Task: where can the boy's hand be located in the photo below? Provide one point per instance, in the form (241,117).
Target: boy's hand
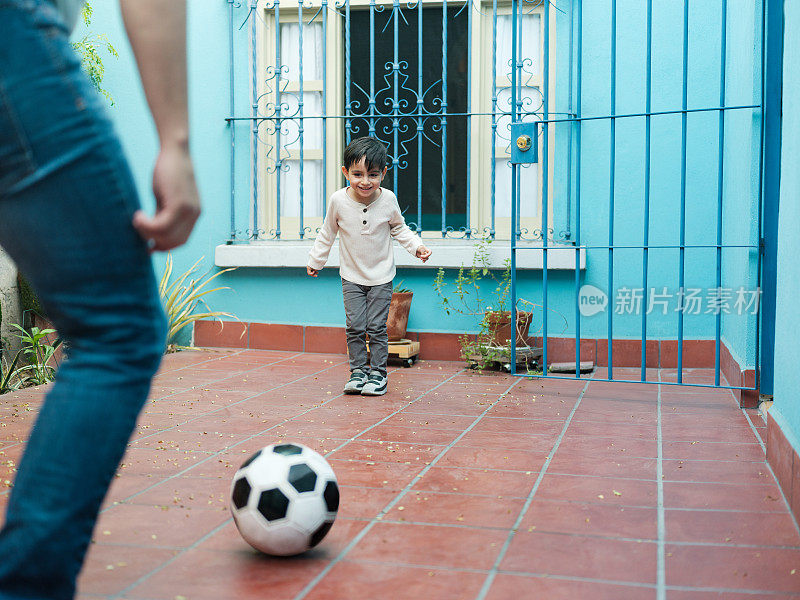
(312,272)
(423,253)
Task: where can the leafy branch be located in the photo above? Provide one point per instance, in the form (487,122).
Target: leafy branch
(90,49)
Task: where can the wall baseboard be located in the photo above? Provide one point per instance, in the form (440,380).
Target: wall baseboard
(785,463)
(446,346)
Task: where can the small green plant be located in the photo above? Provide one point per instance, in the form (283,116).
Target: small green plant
(182,297)
(467,297)
(90,49)
(399,289)
(480,291)
(38,353)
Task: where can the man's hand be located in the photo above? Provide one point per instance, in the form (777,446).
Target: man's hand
(312,272)
(177,201)
(423,253)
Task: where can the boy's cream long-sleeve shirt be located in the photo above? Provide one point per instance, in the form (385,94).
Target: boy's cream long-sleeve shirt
(365,233)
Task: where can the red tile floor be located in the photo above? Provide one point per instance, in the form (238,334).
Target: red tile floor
(456,484)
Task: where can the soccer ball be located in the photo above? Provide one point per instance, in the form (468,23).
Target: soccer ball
(284,499)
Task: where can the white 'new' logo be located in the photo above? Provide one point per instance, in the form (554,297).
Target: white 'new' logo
(591,300)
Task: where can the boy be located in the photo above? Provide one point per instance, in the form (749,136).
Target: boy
(366,217)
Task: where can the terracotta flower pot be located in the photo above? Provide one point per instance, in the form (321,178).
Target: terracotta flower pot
(397,321)
(499,325)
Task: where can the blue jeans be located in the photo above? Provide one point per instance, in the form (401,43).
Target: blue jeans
(66,202)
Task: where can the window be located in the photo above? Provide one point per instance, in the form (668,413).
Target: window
(362,72)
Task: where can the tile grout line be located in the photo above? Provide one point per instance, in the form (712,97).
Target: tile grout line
(150,400)
(661,591)
(182,551)
(201,386)
(496,566)
(379,518)
(227,522)
(215,454)
(754,430)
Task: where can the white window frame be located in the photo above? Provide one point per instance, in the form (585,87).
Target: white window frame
(459,251)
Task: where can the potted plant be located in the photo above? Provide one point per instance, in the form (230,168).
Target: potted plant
(400,306)
(479,291)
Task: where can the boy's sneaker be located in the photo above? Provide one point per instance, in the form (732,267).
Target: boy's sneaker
(375,385)
(356,382)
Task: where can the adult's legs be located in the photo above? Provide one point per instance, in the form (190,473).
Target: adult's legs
(66,202)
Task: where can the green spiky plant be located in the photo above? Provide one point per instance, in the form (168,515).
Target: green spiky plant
(400,289)
(9,377)
(182,297)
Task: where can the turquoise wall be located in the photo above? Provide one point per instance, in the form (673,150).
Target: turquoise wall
(283,296)
(786,408)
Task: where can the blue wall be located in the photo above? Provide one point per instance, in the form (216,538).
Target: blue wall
(281,296)
(786,408)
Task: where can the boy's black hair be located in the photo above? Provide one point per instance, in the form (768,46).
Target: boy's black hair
(370,149)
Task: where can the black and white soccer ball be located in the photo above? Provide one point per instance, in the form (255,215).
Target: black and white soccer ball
(284,499)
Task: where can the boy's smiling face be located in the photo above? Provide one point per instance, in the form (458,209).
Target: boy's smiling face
(364,183)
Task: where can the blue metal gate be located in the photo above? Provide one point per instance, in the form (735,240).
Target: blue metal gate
(713,249)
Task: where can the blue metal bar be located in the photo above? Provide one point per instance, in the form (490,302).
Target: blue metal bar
(372,67)
(517,115)
(501,113)
(300,99)
(444,119)
(493,165)
(420,110)
(773,81)
(348,123)
(612,185)
(720,181)
(232,104)
(568,230)
(396,103)
(254,108)
(654,113)
(643,246)
(646,233)
(279,123)
(682,253)
(546,167)
(759,228)
(675,383)
(514,187)
(324,106)
(578,92)
(467,228)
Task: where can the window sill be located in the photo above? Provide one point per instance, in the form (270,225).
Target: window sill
(446,253)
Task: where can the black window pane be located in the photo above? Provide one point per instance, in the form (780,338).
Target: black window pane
(413,175)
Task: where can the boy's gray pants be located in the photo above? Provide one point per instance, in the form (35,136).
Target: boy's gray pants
(366,308)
